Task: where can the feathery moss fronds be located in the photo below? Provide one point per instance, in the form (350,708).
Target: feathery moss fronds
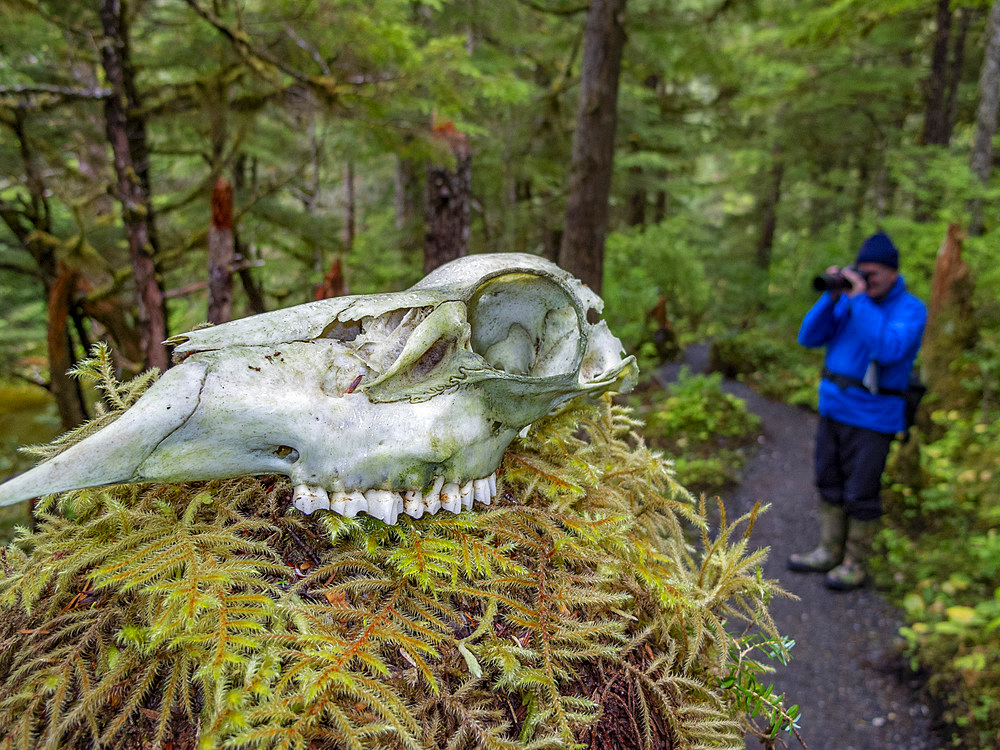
(214,611)
(117,396)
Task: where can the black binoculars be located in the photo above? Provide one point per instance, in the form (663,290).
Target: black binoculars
(833,282)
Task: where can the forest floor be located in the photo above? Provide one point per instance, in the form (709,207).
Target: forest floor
(854,689)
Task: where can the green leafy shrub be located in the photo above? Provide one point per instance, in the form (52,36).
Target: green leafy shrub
(773,365)
(705,430)
(573,610)
(942,561)
(640,265)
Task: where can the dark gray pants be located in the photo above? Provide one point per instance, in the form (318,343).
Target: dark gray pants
(849,465)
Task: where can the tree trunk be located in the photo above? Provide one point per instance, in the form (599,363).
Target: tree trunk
(635,204)
(221,254)
(350,207)
(446,210)
(254,291)
(592,161)
(858,204)
(65,390)
(660,205)
(981,159)
(769,210)
(936,114)
(551,242)
(951,327)
(126,131)
(935,130)
(31,223)
(251,285)
(955,72)
(408,192)
(112,322)
(334,284)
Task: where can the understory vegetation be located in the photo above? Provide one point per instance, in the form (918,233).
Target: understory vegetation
(706,432)
(592,603)
(941,563)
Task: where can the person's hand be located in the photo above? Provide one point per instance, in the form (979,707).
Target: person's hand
(858,284)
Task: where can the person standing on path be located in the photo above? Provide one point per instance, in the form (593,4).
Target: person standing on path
(871,328)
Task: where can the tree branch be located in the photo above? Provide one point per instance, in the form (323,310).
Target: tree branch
(571,11)
(14,268)
(241,42)
(63,91)
(197,286)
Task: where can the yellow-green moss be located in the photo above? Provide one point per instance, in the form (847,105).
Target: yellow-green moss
(212,614)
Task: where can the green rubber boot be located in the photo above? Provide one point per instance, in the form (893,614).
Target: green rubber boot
(851,573)
(830,551)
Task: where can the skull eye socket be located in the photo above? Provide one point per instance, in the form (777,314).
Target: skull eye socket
(525,324)
(287,453)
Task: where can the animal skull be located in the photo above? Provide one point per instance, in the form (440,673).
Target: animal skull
(386,404)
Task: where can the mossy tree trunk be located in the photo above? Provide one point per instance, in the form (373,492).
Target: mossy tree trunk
(221,253)
(951,326)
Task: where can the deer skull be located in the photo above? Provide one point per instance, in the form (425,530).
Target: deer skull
(386,404)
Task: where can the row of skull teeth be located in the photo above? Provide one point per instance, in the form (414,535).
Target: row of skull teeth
(386,505)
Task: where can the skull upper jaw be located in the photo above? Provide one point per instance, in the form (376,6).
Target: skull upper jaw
(348,444)
(380,393)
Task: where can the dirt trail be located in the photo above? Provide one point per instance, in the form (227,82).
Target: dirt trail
(845,671)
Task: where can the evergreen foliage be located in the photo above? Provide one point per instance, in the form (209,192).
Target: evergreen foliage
(209,614)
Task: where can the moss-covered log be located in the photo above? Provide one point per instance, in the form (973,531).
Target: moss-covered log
(575,611)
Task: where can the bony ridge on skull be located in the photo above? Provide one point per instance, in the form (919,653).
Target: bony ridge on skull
(382,404)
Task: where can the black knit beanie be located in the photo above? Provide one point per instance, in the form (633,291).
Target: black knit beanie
(878,249)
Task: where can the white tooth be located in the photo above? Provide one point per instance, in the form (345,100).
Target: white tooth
(413,504)
(338,502)
(307,499)
(348,504)
(384,505)
(432,500)
(451,499)
(468,494)
(397,506)
(492,479)
(481,488)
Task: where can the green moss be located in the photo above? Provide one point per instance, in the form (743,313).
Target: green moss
(213,610)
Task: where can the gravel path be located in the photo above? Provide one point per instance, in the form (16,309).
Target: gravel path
(845,673)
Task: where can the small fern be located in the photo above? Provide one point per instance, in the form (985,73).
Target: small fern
(211,614)
(116,397)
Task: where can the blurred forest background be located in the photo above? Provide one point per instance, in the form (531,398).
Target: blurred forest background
(169,162)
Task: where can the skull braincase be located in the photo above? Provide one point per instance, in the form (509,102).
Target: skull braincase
(400,402)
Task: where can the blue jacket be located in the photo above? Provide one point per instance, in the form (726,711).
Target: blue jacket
(857,331)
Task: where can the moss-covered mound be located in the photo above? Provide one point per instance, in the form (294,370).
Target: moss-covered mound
(575,610)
